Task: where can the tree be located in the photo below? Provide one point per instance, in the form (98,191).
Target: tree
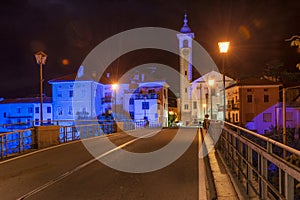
(295,42)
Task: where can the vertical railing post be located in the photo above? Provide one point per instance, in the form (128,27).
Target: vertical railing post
(289,186)
(264,173)
(249,171)
(240,160)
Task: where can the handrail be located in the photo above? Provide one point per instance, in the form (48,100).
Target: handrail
(259,169)
(279,144)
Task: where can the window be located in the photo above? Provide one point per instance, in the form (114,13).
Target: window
(4,114)
(186,106)
(131,101)
(145,105)
(151,91)
(18,110)
(59,94)
(70,112)
(131,115)
(266,98)
(59,110)
(237,117)
(185,73)
(185,90)
(30,110)
(108,94)
(185,43)
(289,116)
(265,90)
(249,117)
(249,98)
(18,120)
(37,110)
(71,93)
(36,121)
(267,117)
(48,109)
(195,105)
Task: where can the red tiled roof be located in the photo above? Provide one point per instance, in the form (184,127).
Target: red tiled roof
(256,81)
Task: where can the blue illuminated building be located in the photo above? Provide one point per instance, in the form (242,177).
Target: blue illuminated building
(22,113)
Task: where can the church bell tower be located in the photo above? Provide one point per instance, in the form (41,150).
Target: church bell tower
(185,38)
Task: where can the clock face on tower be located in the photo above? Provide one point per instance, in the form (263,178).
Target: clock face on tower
(185,52)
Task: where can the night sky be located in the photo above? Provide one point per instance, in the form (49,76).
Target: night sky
(68,30)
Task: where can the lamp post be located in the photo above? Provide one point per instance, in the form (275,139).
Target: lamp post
(211,82)
(204,107)
(115,87)
(41,60)
(223,47)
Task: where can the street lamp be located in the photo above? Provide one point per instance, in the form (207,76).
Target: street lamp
(223,47)
(115,87)
(211,82)
(41,60)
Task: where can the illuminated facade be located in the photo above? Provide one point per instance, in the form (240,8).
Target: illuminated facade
(208,99)
(252,103)
(83,98)
(75,99)
(138,101)
(24,112)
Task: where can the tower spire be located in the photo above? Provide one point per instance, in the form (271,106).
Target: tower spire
(185,21)
(185,28)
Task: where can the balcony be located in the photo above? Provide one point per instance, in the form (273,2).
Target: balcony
(107,100)
(145,96)
(233,106)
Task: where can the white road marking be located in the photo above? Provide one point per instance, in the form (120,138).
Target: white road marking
(53,181)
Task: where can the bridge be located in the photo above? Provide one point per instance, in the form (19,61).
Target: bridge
(235,164)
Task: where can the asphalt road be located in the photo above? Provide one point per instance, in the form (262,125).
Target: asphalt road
(69,171)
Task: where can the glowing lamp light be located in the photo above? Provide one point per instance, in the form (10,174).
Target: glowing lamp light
(223,46)
(171,112)
(211,82)
(115,86)
(204,105)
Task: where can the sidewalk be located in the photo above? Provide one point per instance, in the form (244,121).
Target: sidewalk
(223,184)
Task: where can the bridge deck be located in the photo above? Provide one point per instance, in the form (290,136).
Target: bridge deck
(69,171)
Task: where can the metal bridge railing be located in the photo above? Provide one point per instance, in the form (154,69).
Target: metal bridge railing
(16,142)
(256,162)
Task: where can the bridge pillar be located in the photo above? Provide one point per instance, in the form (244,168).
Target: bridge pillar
(47,136)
